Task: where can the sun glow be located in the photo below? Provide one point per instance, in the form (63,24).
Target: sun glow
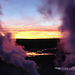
(37,35)
(2,34)
(35,32)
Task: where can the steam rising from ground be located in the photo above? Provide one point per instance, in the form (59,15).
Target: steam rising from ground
(66,8)
(14,54)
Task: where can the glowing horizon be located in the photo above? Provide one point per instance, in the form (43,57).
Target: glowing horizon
(41,32)
(36,34)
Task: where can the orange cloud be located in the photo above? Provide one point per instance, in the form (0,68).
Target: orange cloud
(36,32)
(37,35)
(42,32)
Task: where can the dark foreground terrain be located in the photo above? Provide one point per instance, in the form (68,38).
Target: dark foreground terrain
(10,69)
(38,43)
(46,65)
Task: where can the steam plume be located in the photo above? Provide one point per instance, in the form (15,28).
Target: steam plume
(14,54)
(66,8)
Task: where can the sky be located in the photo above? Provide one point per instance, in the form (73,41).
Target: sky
(23,20)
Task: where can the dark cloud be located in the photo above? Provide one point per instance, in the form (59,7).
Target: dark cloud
(49,8)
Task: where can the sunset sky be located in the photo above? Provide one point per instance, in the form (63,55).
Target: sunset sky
(23,20)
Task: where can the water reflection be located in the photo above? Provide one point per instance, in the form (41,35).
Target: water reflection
(48,51)
(33,54)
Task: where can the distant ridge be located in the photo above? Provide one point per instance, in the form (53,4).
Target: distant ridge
(38,43)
